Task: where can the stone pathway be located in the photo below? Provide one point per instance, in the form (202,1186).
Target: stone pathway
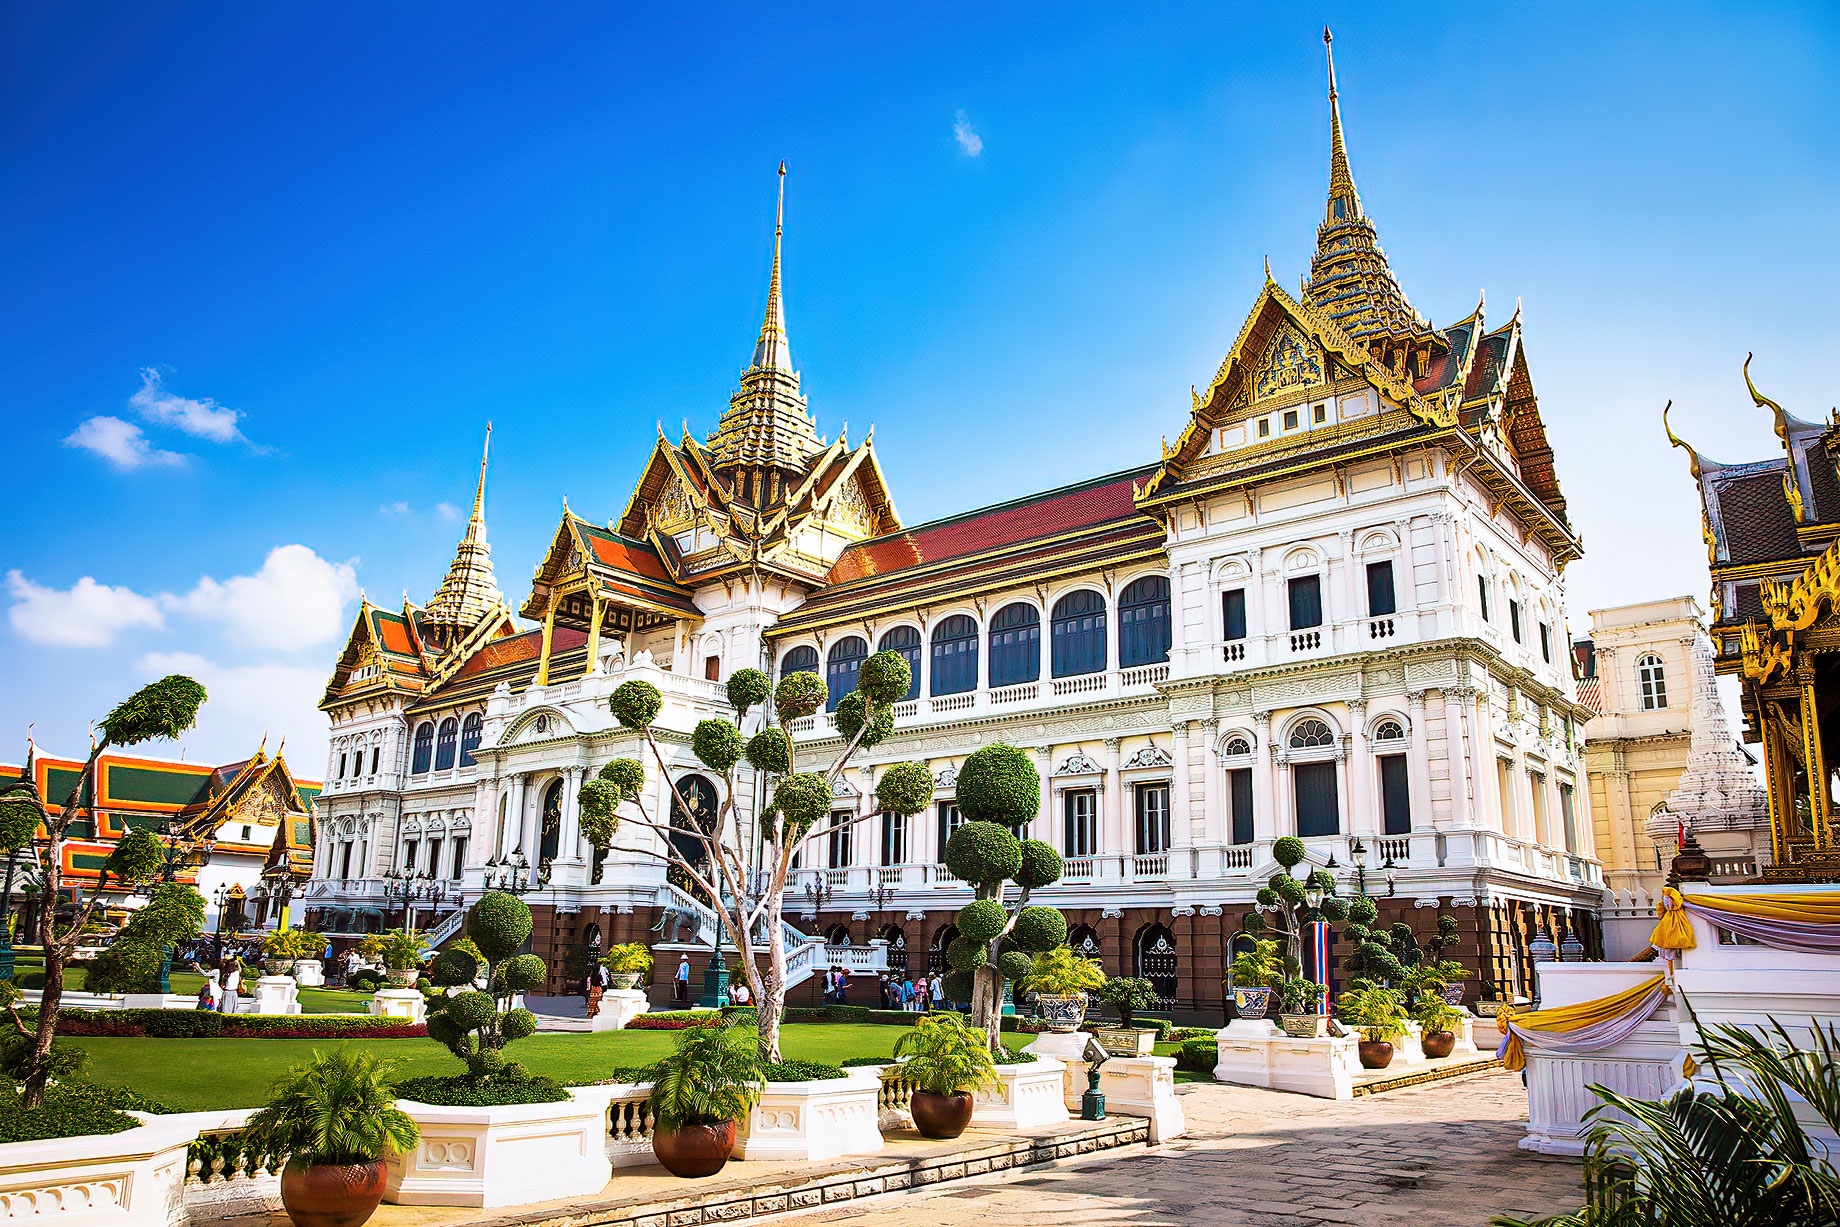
(1442,1155)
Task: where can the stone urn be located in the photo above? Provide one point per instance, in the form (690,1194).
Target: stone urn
(694,1150)
(624,979)
(278,967)
(1453,993)
(942,1116)
(1062,1012)
(1252,1002)
(1375,1054)
(1438,1044)
(402,977)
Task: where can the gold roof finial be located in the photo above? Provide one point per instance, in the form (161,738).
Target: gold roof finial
(470,587)
(1341,179)
(1780,419)
(476,527)
(1677,441)
(771,351)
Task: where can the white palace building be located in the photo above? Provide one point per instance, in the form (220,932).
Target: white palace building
(1332,608)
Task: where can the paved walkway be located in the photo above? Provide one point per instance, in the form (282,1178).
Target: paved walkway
(1442,1155)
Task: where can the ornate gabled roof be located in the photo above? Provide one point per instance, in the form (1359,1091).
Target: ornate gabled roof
(1350,280)
(231,787)
(470,589)
(623,570)
(383,653)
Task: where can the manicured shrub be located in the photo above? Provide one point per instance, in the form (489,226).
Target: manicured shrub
(747,687)
(999,784)
(982,920)
(799,695)
(905,788)
(981,852)
(635,704)
(66,1112)
(524,972)
(717,744)
(1288,851)
(770,750)
(461,1091)
(1039,929)
(1014,965)
(499,923)
(958,985)
(1200,1054)
(470,1011)
(802,800)
(966,955)
(599,804)
(365,981)
(627,775)
(1041,865)
(855,712)
(799,1071)
(181,1024)
(884,678)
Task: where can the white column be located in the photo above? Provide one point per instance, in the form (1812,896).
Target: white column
(1265,824)
(568,845)
(1418,766)
(1043,826)
(1359,807)
(1211,823)
(1465,762)
(1181,803)
(1111,803)
(530,822)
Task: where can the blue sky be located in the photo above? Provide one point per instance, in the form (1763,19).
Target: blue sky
(276,266)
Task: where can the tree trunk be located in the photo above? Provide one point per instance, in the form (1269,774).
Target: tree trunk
(32,1090)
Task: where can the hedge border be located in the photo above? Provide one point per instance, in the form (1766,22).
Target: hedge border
(136,1024)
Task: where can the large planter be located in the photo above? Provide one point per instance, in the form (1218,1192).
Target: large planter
(278,967)
(1375,1054)
(695,1150)
(1026,1097)
(942,1116)
(625,979)
(1252,1002)
(504,1155)
(1128,1041)
(331,1194)
(404,977)
(1062,1012)
(1453,993)
(134,1178)
(1438,1044)
(811,1121)
(1305,1026)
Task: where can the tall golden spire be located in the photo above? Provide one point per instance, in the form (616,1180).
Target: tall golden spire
(771,351)
(1344,201)
(470,588)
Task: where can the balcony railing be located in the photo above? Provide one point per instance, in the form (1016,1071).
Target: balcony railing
(1077,869)
(1005,695)
(1150,868)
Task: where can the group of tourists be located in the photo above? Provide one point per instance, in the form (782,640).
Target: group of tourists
(222,991)
(902,992)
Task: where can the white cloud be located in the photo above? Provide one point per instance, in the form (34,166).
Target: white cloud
(121,443)
(969,142)
(447,511)
(296,600)
(244,702)
(205,419)
(398,508)
(85,615)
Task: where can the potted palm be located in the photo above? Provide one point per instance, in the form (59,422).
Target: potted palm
(280,950)
(700,1092)
(1127,995)
(335,1117)
(1378,1015)
(1254,974)
(948,1061)
(1300,1003)
(1060,980)
(400,952)
(1437,1020)
(628,964)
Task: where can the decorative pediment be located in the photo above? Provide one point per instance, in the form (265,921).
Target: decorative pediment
(946,779)
(1289,362)
(1149,756)
(1078,764)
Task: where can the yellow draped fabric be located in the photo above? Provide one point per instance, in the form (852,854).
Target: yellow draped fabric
(1571,1017)
(1675,933)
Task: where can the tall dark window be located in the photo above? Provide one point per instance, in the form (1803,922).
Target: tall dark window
(459,856)
(1233,614)
(905,640)
(341,774)
(1482,594)
(840,839)
(1395,795)
(1317,811)
(955,655)
(1568,817)
(1152,804)
(424,746)
(376,755)
(1080,821)
(949,821)
(1514,620)
(471,730)
(409,854)
(1015,645)
(894,839)
(840,670)
(1239,794)
(446,744)
(1078,626)
(1380,599)
(433,862)
(1306,602)
(1546,642)
(802,659)
(1143,622)
(345,860)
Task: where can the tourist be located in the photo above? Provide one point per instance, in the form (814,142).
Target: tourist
(907,995)
(920,995)
(882,989)
(680,983)
(938,993)
(230,981)
(597,982)
(738,994)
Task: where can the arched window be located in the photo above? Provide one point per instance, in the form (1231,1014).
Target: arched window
(1653,676)
(446,743)
(1389,730)
(936,953)
(802,659)
(1015,645)
(1143,622)
(837,935)
(1310,735)
(472,729)
(840,670)
(551,829)
(1078,626)
(1154,952)
(1084,940)
(1236,747)
(424,747)
(700,796)
(906,641)
(955,655)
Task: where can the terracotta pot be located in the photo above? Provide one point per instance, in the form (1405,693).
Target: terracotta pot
(1375,1054)
(1438,1044)
(331,1194)
(941,1116)
(695,1150)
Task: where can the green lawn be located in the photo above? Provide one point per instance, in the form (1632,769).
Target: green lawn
(219,1073)
(187,983)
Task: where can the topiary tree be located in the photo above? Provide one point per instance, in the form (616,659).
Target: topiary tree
(1291,903)
(162,709)
(999,790)
(133,961)
(476,1025)
(743,875)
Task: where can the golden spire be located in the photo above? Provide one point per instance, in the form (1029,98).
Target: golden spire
(1344,201)
(771,351)
(476,527)
(470,588)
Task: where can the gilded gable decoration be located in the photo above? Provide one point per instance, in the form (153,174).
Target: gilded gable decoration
(1289,361)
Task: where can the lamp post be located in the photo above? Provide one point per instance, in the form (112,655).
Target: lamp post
(1358,853)
(817,892)
(221,896)
(510,874)
(880,894)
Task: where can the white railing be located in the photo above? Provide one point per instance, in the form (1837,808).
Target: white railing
(945,877)
(1399,851)
(837,879)
(952,702)
(907,710)
(1014,694)
(1234,651)
(1149,867)
(804,724)
(1144,675)
(1077,869)
(1381,628)
(1237,857)
(1085,683)
(1306,641)
(446,929)
(890,875)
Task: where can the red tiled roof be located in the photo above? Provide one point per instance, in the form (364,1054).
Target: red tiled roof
(1029,519)
(393,634)
(515,649)
(1591,694)
(628,555)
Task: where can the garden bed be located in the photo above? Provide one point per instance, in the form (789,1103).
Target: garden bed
(203,1024)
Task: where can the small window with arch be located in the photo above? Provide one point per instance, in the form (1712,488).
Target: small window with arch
(1389,730)
(1236,747)
(1652,675)
(1310,735)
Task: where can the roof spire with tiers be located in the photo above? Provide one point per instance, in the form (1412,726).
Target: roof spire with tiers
(470,588)
(1350,279)
(767,426)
